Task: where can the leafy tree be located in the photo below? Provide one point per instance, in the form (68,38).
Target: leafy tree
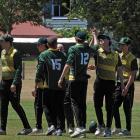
(122,17)
(15,11)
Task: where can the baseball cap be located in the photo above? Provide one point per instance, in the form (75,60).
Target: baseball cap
(125,41)
(42,40)
(6,37)
(103,36)
(81,35)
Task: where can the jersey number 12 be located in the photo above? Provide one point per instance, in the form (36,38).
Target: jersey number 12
(84,58)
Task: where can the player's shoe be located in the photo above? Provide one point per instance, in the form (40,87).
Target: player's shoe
(36,131)
(99,131)
(107,132)
(125,132)
(116,131)
(59,132)
(2,132)
(25,131)
(51,130)
(70,130)
(78,132)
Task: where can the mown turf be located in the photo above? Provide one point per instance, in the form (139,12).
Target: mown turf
(15,125)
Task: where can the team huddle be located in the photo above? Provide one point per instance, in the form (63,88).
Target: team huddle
(61,82)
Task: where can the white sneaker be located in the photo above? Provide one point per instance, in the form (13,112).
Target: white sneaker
(2,132)
(59,132)
(99,131)
(125,132)
(36,131)
(82,136)
(116,131)
(70,130)
(76,133)
(25,131)
(51,130)
(83,130)
(107,132)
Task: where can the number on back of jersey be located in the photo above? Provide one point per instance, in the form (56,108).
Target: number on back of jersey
(84,58)
(56,64)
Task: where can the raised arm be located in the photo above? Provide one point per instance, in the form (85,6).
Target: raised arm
(94,40)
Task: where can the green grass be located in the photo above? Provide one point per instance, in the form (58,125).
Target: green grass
(15,125)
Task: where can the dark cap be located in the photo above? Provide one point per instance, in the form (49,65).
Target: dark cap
(125,41)
(7,38)
(42,40)
(103,36)
(81,35)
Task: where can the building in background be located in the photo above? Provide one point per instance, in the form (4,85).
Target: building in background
(55,8)
(55,12)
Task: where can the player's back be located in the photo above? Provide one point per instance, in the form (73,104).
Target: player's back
(79,56)
(54,64)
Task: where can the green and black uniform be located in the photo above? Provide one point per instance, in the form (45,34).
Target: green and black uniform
(78,59)
(69,116)
(51,64)
(104,85)
(129,63)
(11,75)
(38,104)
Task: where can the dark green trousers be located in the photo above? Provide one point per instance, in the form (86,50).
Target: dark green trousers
(14,98)
(127,102)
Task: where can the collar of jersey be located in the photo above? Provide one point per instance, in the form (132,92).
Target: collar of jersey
(79,45)
(51,49)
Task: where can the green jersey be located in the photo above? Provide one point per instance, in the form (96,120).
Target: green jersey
(50,67)
(78,59)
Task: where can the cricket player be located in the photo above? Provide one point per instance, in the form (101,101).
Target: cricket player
(130,67)
(107,64)
(76,65)
(38,93)
(11,84)
(51,63)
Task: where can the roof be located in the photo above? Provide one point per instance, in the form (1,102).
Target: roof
(29,30)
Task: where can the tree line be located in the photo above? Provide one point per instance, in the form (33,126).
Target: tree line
(122,17)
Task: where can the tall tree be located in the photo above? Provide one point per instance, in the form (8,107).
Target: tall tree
(15,11)
(120,16)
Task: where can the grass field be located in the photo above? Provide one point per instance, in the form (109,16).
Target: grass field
(15,125)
